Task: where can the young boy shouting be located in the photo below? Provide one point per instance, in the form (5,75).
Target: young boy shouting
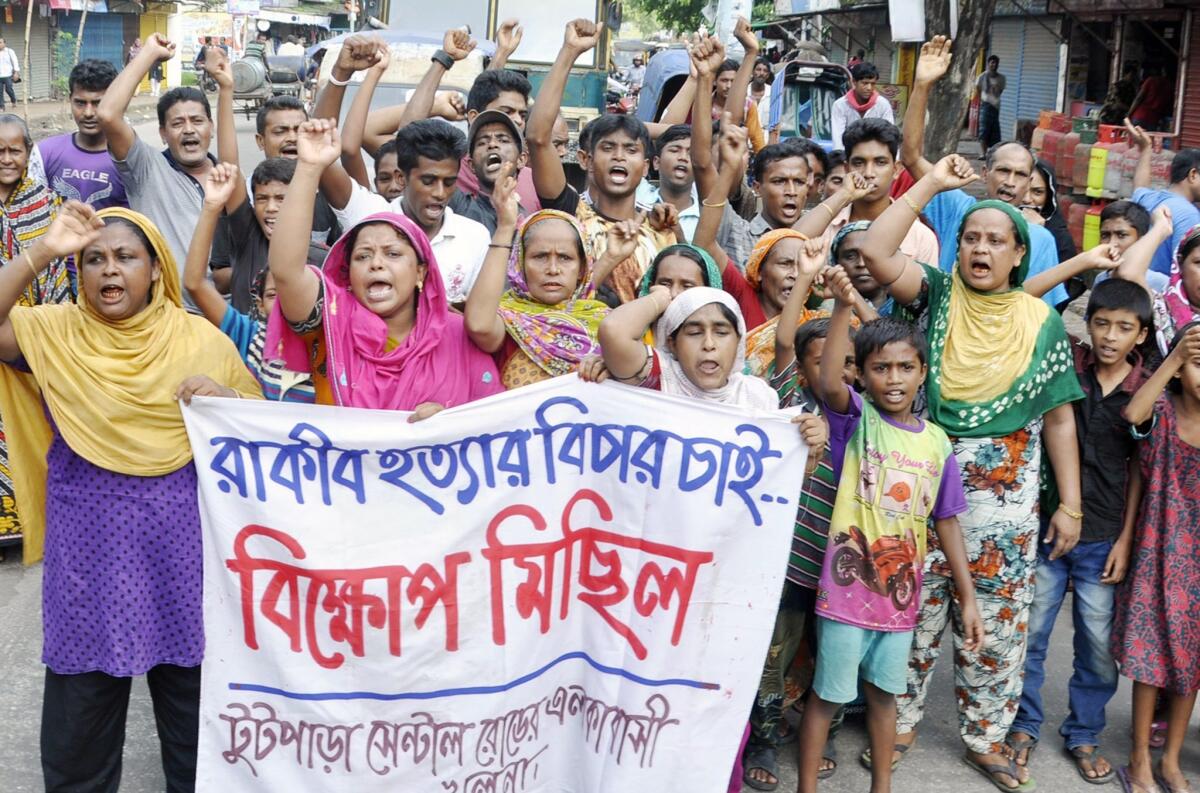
(1110,371)
(897,473)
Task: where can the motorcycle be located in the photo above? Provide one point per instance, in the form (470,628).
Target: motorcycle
(886,567)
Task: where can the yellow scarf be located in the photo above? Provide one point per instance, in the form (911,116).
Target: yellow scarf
(110,386)
(990,339)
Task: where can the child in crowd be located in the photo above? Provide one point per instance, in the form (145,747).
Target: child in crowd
(1156,634)
(896,473)
(247,330)
(837,172)
(1110,371)
(1123,223)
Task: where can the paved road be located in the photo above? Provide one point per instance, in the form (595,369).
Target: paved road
(933,766)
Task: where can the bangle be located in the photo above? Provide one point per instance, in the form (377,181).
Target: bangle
(507,247)
(29,261)
(911,205)
(336,81)
(707,203)
(1070,512)
(827,209)
(442,57)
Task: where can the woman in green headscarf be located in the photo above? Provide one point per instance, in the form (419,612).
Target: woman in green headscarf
(680,267)
(1000,383)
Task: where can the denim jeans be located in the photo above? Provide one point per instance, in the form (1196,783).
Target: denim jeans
(1095,678)
(6,87)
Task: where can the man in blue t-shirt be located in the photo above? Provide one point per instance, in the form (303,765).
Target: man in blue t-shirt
(1008,167)
(1180,198)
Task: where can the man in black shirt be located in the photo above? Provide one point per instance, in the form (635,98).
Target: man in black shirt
(492,141)
(1110,370)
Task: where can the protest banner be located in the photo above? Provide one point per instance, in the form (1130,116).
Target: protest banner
(568,587)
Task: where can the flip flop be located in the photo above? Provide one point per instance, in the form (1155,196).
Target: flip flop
(1028,744)
(900,748)
(829,754)
(991,772)
(1078,754)
(1129,785)
(762,758)
(1165,785)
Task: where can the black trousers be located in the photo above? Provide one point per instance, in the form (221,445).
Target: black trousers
(6,85)
(83,728)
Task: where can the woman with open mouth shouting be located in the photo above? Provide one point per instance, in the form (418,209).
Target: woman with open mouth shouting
(103,464)
(546,322)
(1000,382)
(373,326)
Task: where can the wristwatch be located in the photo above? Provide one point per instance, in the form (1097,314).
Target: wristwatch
(443,57)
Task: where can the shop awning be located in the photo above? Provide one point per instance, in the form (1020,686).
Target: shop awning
(93,6)
(290,18)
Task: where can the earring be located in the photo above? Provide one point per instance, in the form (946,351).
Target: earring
(420,286)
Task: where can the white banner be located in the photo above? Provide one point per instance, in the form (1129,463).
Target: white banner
(568,587)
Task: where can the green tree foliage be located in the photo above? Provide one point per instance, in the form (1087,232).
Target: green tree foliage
(685,16)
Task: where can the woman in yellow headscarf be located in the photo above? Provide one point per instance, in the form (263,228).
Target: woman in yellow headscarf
(109,476)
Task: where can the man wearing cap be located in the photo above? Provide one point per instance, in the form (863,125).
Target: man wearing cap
(492,141)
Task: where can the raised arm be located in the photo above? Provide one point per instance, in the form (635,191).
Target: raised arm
(548,176)
(681,103)
(815,221)
(812,261)
(712,207)
(75,226)
(1141,407)
(1102,257)
(356,120)
(218,188)
(358,52)
(1136,262)
(831,388)
(932,65)
(383,124)
(735,103)
(216,64)
(897,271)
(1139,138)
(456,43)
(296,286)
(707,55)
(111,112)
(508,38)
(481,313)
(622,333)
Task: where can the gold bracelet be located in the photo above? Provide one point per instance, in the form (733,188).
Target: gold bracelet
(1070,512)
(827,209)
(911,205)
(707,203)
(29,261)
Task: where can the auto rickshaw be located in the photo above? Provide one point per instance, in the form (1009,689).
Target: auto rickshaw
(802,98)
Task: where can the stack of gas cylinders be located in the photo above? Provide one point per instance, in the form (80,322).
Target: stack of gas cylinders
(1093,165)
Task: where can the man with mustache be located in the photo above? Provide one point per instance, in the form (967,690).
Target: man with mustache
(166,186)
(1008,167)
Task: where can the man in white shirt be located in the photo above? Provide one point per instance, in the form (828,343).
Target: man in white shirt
(10,70)
(861,101)
(292,47)
(428,154)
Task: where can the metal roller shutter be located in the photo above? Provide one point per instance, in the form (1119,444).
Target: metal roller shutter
(1189,131)
(40,36)
(103,36)
(1032,54)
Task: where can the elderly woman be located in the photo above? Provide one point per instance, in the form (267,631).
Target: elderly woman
(27,208)
(373,326)
(1000,383)
(546,322)
(102,460)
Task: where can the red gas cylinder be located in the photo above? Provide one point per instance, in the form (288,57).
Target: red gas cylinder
(1075,216)
(1064,168)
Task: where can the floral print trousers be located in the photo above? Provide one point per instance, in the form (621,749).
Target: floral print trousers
(987,682)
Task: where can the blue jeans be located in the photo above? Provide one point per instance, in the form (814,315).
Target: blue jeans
(1095,679)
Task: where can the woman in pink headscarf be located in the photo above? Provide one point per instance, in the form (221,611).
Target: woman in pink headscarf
(373,325)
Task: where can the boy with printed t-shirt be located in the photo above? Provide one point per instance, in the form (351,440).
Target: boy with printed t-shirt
(897,473)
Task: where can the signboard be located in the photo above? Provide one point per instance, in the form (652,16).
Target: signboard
(567,587)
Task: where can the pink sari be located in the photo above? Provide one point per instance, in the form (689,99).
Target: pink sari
(436,363)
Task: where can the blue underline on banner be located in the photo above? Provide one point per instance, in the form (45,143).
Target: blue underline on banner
(475,690)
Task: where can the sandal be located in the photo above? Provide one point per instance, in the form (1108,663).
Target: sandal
(1130,785)
(1165,785)
(1007,767)
(1026,744)
(829,754)
(762,758)
(1081,755)
(900,748)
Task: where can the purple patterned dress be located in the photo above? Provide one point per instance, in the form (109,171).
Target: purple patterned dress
(1156,633)
(122,576)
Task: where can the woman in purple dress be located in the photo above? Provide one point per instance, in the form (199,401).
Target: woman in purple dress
(104,468)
